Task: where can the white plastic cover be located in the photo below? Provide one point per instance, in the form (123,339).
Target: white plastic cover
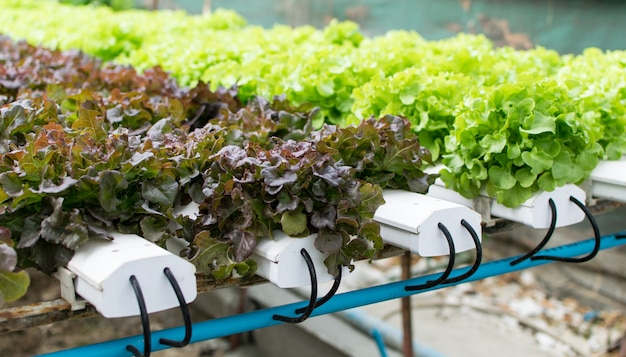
(103,270)
(411,220)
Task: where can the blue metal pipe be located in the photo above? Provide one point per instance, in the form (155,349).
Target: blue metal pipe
(249,321)
(384,332)
(379,342)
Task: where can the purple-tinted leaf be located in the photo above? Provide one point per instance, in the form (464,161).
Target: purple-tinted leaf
(54,220)
(146,207)
(8,258)
(287,202)
(96,232)
(421,183)
(157,132)
(332,175)
(274,178)
(230,156)
(123,147)
(335,261)
(273,190)
(324,218)
(358,247)
(328,241)
(318,189)
(49,256)
(244,243)
(30,232)
(385,152)
(62,228)
(5,235)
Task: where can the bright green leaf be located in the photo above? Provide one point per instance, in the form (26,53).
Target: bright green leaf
(325,88)
(539,123)
(501,177)
(13,285)
(494,143)
(525,177)
(293,223)
(546,182)
(538,161)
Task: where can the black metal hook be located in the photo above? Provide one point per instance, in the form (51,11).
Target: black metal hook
(449,268)
(328,296)
(309,309)
(545,239)
(479,255)
(596,232)
(183,308)
(145,321)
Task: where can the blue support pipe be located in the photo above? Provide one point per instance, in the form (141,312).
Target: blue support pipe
(380,343)
(384,333)
(250,321)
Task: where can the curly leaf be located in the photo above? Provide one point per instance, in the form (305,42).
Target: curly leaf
(244,243)
(90,121)
(371,199)
(501,178)
(537,160)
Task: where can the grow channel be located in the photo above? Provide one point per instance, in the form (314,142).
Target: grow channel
(100,162)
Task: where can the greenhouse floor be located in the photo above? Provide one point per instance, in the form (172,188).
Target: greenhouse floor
(556,310)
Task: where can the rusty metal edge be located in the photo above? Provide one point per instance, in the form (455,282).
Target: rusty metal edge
(38,314)
(46,312)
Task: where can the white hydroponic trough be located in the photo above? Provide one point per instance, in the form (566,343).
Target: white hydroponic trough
(411,221)
(534,212)
(103,269)
(279,260)
(608,180)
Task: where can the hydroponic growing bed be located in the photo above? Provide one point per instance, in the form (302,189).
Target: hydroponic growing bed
(213,146)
